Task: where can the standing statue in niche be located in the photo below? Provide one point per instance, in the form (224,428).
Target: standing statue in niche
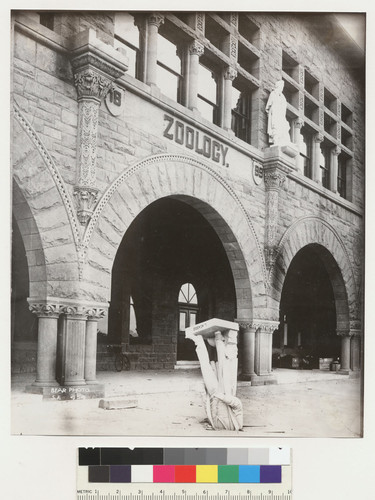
(278,126)
(223,408)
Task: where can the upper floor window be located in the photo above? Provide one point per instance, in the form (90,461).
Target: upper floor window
(342,176)
(241,112)
(127,36)
(325,165)
(208,94)
(168,74)
(306,152)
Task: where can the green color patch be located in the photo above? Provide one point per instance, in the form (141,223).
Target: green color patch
(228,473)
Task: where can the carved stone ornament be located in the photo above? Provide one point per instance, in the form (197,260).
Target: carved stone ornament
(230,73)
(86,198)
(301,101)
(233,47)
(336,151)
(319,138)
(90,61)
(298,123)
(114,100)
(45,309)
(274,180)
(155,19)
(258,172)
(90,83)
(96,313)
(200,21)
(234,19)
(87,142)
(196,48)
(301,75)
(343,333)
(77,312)
(265,326)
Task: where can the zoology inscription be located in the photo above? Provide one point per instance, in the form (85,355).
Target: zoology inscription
(195,140)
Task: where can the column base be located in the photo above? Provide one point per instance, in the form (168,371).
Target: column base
(263,379)
(355,374)
(245,377)
(344,372)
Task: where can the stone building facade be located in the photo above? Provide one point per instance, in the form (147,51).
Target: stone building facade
(147,197)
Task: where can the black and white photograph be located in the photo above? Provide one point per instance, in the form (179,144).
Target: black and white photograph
(188,206)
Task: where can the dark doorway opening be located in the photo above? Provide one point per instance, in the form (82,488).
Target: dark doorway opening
(170,244)
(24,324)
(307,329)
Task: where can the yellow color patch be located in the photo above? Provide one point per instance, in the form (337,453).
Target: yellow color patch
(206,474)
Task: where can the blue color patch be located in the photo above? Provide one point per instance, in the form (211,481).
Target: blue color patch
(249,474)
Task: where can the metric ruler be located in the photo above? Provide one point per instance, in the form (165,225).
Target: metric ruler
(184,474)
(255,492)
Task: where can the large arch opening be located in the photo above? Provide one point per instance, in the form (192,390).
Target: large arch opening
(24,325)
(312,303)
(168,245)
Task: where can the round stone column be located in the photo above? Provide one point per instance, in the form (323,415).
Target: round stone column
(93,315)
(74,345)
(355,350)
(48,315)
(196,49)
(345,352)
(263,351)
(247,331)
(154,22)
(229,75)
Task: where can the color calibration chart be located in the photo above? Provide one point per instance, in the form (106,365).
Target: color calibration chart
(184,474)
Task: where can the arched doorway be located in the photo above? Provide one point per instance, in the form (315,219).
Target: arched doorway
(168,245)
(308,315)
(188,309)
(24,324)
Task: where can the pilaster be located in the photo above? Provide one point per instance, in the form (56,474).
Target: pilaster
(95,67)
(277,165)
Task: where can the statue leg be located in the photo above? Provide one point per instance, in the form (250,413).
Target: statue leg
(209,378)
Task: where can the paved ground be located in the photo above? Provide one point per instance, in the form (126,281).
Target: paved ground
(303,404)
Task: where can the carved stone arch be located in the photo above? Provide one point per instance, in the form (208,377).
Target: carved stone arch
(51,211)
(200,186)
(32,242)
(316,233)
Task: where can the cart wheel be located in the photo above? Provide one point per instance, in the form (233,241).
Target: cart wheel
(119,362)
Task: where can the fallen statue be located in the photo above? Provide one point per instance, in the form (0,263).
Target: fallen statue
(224,409)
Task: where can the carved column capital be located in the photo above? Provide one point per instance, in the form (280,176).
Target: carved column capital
(355,324)
(336,151)
(45,309)
(298,123)
(274,179)
(343,333)
(230,73)
(265,326)
(196,48)
(96,313)
(318,138)
(77,312)
(155,19)
(90,83)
